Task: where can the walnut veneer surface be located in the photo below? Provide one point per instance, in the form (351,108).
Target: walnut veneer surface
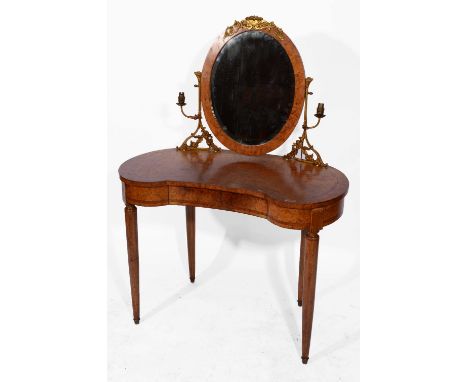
(284,192)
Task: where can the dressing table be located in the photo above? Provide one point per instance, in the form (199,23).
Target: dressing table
(252,90)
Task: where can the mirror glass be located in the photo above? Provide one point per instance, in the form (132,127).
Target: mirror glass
(252,87)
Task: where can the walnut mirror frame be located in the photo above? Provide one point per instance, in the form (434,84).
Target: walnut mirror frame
(273,36)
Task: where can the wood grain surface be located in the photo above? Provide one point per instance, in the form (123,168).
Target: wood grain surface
(284,192)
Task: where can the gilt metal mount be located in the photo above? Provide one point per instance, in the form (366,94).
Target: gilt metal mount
(254,23)
(302,146)
(200,133)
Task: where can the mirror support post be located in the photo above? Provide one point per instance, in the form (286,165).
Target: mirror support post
(302,146)
(200,133)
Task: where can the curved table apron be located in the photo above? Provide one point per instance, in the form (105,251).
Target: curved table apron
(290,194)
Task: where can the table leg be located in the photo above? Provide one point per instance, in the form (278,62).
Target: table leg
(133,260)
(190,222)
(311,243)
(301,267)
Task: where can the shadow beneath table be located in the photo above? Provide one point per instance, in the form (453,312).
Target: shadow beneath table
(241,228)
(222,260)
(283,243)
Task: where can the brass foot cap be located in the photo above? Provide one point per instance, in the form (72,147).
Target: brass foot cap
(304,360)
(192,279)
(136,321)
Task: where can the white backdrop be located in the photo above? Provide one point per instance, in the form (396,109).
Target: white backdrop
(240,320)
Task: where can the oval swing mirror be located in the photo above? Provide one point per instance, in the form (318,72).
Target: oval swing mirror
(252,87)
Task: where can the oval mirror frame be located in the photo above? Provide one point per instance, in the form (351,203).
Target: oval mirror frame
(253,23)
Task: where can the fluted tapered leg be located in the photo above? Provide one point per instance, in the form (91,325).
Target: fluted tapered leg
(301,267)
(133,260)
(190,222)
(311,243)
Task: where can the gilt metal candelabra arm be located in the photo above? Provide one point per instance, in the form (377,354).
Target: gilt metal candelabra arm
(302,146)
(200,133)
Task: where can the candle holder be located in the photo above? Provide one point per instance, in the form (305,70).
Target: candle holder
(201,133)
(302,146)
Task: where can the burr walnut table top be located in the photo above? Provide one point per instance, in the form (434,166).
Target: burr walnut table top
(285,192)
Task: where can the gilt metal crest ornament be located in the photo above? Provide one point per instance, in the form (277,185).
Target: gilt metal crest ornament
(254,23)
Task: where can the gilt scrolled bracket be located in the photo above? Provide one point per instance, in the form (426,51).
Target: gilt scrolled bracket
(201,133)
(302,150)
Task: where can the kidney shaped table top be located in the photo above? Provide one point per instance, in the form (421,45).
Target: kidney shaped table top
(289,193)
(284,192)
